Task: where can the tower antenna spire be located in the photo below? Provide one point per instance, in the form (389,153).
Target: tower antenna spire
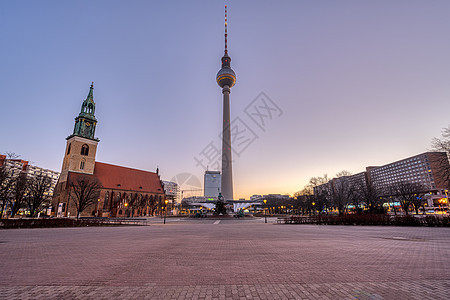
(226,32)
(226,78)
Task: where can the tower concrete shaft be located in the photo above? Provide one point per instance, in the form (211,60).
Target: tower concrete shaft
(227,174)
(226,78)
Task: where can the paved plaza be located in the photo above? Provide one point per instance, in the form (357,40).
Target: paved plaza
(226,259)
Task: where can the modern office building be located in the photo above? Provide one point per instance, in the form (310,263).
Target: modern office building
(212,184)
(423,169)
(429,169)
(17,167)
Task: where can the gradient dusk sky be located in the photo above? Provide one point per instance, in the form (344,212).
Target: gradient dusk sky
(359,83)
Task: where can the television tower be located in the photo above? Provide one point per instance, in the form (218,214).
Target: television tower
(226,78)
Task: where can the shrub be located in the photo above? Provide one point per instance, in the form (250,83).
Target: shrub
(371,219)
(48,223)
(406,220)
(437,221)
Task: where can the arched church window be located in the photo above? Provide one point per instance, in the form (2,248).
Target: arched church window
(85,150)
(106,202)
(118,199)
(90,108)
(82,164)
(68,149)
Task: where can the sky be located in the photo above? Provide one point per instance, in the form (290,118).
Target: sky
(350,84)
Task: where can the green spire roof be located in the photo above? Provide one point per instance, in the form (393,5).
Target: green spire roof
(86,122)
(90,96)
(88,106)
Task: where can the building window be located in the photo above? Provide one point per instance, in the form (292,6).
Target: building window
(68,149)
(82,165)
(106,201)
(85,150)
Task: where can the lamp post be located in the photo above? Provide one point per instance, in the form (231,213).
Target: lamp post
(314,207)
(165,208)
(448,204)
(265,215)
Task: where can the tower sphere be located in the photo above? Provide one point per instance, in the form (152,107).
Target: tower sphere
(226,76)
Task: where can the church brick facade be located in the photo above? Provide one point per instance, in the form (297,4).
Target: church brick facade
(124,192)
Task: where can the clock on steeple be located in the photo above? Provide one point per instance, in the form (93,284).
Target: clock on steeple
(85,122)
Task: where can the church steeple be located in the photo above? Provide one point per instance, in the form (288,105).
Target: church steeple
(88,106)
(86,122)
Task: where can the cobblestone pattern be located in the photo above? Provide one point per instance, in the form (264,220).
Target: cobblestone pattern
(423,289)
(230,260)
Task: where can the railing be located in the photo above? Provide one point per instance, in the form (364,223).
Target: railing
(120,221)
(368,219)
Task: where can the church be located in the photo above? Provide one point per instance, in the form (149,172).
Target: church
(124,192)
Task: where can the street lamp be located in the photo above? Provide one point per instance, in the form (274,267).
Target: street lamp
(98,207)
(314,209)
(446,196)
(165,208)
(265,215)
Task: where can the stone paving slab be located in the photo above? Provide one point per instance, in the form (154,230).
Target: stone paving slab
(423,289)
(229,260)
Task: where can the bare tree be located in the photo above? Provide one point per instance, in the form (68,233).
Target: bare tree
(5,187)
(320,200)
(142,204)
(19,193)
(441,162)
(358,197)
(418,201)
(369,195)
(343,191)
(12,155)
(392,202)
(39,187)
(303,199)
(84,192)
(443,143)
(6,182)
(409,194)
(153,204)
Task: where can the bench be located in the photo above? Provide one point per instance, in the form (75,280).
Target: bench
(284,220)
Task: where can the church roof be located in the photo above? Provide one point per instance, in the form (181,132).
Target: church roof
(127,179)
(123,178)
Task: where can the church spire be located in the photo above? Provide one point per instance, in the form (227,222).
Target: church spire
(90,96)
(88,106)
(86,122)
